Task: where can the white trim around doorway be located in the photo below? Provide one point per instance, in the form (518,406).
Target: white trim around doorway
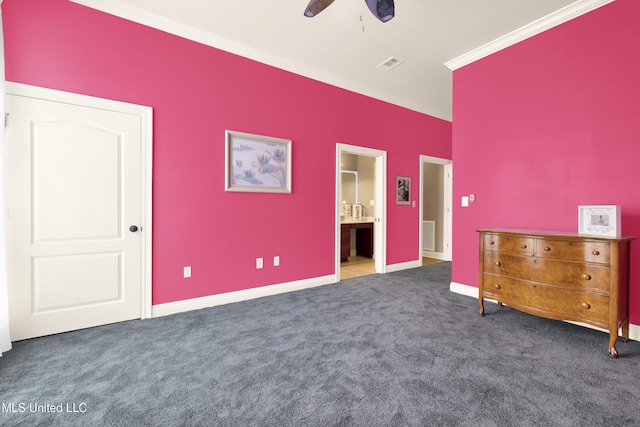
(447,232)
(380,219)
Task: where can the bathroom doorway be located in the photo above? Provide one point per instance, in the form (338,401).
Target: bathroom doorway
(360,211)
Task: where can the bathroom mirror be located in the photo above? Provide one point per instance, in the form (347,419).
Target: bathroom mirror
(349,186)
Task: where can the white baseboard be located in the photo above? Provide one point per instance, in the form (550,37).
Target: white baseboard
(462,289)
(166,309)
(159,310)
(472,291)
(404,266)
(433,254)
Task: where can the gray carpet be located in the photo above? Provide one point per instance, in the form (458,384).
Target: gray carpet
(385,350)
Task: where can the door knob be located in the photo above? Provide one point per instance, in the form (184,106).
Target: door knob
(133,228)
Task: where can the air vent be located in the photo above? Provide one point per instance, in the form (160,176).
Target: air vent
(389,64)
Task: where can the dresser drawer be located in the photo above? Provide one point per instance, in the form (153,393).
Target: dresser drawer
(587,251)
(571,275)
(513,244)
(547,301)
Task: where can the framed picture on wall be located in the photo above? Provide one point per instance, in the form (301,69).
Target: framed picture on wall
(403,190)
(257,163)
(603,220)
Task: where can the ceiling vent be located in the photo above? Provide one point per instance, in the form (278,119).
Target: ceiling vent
(389,64)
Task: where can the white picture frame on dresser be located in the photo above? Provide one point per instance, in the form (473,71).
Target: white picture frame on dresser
(600,220)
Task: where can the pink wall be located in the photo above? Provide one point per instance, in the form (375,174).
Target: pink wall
(546,125)
(197,92)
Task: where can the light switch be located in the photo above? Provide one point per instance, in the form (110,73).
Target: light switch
(465,201)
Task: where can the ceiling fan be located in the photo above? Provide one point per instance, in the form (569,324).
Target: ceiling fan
(384,10)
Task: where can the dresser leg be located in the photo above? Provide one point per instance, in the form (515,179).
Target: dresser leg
(481,311)
(625,331)
(613,337)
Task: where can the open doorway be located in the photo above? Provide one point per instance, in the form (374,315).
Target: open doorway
(435,209)
(360,211)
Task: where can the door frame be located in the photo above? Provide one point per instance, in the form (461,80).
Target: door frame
(146,167)
(380,219)
(447,214)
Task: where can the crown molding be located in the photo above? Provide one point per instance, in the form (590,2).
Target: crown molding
(123,10)
(554,19)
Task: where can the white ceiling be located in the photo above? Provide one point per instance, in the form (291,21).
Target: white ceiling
(343,45)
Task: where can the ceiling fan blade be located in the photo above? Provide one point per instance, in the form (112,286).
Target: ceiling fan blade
(384,10)
(316,6)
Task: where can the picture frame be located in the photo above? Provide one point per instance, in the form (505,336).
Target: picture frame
(403,190)
(257,163)
(600,220)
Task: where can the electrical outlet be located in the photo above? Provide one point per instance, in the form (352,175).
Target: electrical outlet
(276,261)
(259,263)
(187,272)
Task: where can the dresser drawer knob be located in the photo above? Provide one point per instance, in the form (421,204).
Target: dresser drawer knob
(524,246)
(586,277)
(585,305)
(595,253)
(497,286)
(491,242)
(547,248)
(498,263)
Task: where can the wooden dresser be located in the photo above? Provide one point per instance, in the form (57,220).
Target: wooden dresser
(561,276)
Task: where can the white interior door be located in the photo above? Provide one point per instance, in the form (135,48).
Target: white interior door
(448,211)
(380,220)
(74,175)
